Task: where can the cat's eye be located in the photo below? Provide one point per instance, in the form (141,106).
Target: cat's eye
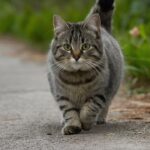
(67,47)
(85,46)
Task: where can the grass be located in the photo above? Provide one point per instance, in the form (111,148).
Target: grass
(32,21)
(136,48)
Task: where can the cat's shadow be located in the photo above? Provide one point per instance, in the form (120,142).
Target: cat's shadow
(112,127)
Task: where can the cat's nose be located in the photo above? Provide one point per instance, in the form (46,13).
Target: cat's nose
(76,55)
(77,58)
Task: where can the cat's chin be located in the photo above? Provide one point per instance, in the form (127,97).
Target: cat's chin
(79,66)
(77,69)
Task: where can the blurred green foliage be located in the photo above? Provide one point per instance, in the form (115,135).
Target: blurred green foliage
(32,21)
(130,15)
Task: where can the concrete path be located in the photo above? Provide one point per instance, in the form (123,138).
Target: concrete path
(30,119)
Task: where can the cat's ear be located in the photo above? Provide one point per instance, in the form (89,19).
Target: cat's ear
(59,24)
(93,22)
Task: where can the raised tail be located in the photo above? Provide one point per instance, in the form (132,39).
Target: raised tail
(105,9)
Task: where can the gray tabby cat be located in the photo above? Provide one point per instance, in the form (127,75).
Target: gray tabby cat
(85,68)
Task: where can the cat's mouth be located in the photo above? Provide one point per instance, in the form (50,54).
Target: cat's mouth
(76,65)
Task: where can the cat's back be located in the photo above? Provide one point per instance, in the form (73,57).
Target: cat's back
(110,44)
(111,48)
(115,61)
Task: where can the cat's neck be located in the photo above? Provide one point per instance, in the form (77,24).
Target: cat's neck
(78,77)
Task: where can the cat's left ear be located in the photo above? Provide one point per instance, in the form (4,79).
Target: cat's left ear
(59,24)
(93,22)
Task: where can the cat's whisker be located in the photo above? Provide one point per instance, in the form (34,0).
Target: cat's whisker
(93,63)
(60,67)
(97,65)
(93,67)
(57,66)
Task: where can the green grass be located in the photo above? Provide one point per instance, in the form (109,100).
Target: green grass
(137,53)
(130,14)
(32,21)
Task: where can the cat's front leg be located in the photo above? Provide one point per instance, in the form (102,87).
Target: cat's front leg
(90,110)
(72,124)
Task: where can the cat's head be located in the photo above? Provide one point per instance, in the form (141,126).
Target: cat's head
(77,46)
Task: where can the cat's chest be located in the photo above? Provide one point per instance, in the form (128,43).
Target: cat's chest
(78,94)
(78,88)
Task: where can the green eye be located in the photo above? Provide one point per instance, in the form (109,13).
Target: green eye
(67,47)
(85,46)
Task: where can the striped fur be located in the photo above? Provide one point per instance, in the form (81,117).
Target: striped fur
(84,87)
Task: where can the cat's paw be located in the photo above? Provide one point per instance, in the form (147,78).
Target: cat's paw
(70,129)
(86,126)
(101,121)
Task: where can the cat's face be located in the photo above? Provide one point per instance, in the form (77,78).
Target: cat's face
(77,46)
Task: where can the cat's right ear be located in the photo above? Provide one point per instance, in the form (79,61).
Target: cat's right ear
(93,22)
(59,24)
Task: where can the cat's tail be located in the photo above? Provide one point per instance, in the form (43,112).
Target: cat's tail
(105,9)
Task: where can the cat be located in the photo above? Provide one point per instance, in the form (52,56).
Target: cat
(85,68)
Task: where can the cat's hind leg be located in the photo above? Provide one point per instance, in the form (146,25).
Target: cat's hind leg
(101,117)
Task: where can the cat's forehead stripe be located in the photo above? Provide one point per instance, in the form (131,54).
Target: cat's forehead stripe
(76,33)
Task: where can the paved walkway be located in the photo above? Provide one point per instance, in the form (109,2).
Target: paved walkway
(30,120)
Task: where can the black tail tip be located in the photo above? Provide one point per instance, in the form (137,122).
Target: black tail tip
(106,5)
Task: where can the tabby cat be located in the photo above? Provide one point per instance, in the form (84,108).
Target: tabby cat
(85,68)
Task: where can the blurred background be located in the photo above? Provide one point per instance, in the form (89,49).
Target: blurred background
(31,21)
